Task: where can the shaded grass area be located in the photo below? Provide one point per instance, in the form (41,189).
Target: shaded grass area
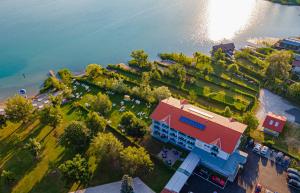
(42,175)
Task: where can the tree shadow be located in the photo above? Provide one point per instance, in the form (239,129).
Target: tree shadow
(20,163)
(249,175)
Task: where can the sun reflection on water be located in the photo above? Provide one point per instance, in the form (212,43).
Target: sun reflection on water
(228,18)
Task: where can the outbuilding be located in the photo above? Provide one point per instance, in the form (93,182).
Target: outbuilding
(274,124)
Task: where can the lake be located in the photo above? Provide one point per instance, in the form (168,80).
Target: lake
(39,35)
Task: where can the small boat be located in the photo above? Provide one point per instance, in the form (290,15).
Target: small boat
(22,91)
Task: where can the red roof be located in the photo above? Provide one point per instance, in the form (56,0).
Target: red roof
(274,122)
(167,191)
(217,129)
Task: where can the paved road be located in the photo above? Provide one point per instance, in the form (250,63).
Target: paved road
(278,105)
(257,170)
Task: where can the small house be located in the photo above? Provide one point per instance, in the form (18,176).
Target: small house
(273,124)
(290,44)
(228,48)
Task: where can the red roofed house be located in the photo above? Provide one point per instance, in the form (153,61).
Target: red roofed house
(273,124)
(212,139)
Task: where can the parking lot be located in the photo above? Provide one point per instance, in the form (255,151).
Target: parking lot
(257,170)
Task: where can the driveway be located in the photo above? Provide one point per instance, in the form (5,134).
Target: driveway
(278,105)
(257,170)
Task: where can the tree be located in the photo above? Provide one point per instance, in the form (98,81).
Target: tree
(52,83)
(76,169)
(65,75)
(233,68)
(51,115)
(227,112)
(18,109)
(34,147)
(105,146)
(177,71)
(95,123)
(119,86)
(208,70)
(75,136)
(155,74)
(56,100)
(250,120)
(294,91)
(132,125)
(136,161)
(3,120)
(126,186)
(193,95)
(279,65)
(139,59)
(101,103)
(8,176)
(93,71)
(146,78)
(218,55)
(161,93)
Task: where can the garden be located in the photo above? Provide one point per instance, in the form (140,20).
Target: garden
(97,128)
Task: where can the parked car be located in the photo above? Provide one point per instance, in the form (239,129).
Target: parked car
(257,148)
(293,176)
(258,188)
(293,171)
(295,184)
(264,150)
(279,156)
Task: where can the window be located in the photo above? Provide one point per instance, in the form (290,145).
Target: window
(206,145)
(271,122)
(276,124)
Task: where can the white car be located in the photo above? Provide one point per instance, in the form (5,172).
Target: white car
(264,150)
(257,148)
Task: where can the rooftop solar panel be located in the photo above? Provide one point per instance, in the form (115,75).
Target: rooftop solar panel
(192,123)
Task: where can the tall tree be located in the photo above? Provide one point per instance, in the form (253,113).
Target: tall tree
(233,68)
(93,71)
(65,75)
(75,136)
(8,176)
(95,123)
(227,112)
(250,120)
(279,65)
(132,125)
(3,120)
(139,59)
(101,103)
(18,109)
(76,169)
(51,115)
(294,91)
(34,147)
(218,55)
(136,161)
(126,186)
(161,93)
(105,146)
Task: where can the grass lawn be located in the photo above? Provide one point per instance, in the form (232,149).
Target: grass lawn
(41,175)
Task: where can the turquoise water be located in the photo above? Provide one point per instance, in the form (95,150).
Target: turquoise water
(39,35)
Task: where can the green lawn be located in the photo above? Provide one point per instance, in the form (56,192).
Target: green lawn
(42,176)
